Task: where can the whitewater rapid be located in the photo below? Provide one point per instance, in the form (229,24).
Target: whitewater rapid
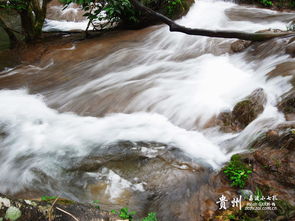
(164,89)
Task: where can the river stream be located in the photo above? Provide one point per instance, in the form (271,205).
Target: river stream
(124,118)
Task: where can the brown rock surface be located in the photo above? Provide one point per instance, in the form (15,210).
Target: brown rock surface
(243,113)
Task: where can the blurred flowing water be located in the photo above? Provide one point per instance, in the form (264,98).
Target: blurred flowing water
(82,103)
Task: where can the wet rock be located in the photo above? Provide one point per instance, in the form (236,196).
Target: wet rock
(3,133)
(244,112)
(270,30)
(272,160)
(240,45)
(274,155)
(287,105)
(284,69)
(247,110)
(143,176)
(24,210)
(226,123)
(290,49)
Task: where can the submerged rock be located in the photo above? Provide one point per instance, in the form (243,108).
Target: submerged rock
(143,176)
(167,176)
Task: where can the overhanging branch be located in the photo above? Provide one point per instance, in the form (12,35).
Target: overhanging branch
(174,27)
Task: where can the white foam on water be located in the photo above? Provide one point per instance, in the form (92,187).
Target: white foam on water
(54,25)
(67,19)
(211,14)
(182,88)
(189,93)
(207,14)
(34,129)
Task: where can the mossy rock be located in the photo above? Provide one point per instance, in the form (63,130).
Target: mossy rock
(248,109)
(13,213)
(244,112)
(287,105)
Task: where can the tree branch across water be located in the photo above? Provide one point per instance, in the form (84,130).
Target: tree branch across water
(174,27)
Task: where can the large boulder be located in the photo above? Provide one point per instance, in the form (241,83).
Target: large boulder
(248,109)
(243,113)
(169,177)
(143,176)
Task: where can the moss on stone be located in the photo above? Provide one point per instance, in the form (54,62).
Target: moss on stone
(13,213)
(246,111)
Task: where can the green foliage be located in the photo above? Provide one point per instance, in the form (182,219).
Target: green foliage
(172,6)
(32,16)
(292,4)
(117,9)
(124,213)
(258,194)
(48,198)
(231,217)
(111,11)
(95,203)
(15,4)
(150,217)
(267,3)
(237,172)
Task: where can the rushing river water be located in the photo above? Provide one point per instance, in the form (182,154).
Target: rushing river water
(93,101)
